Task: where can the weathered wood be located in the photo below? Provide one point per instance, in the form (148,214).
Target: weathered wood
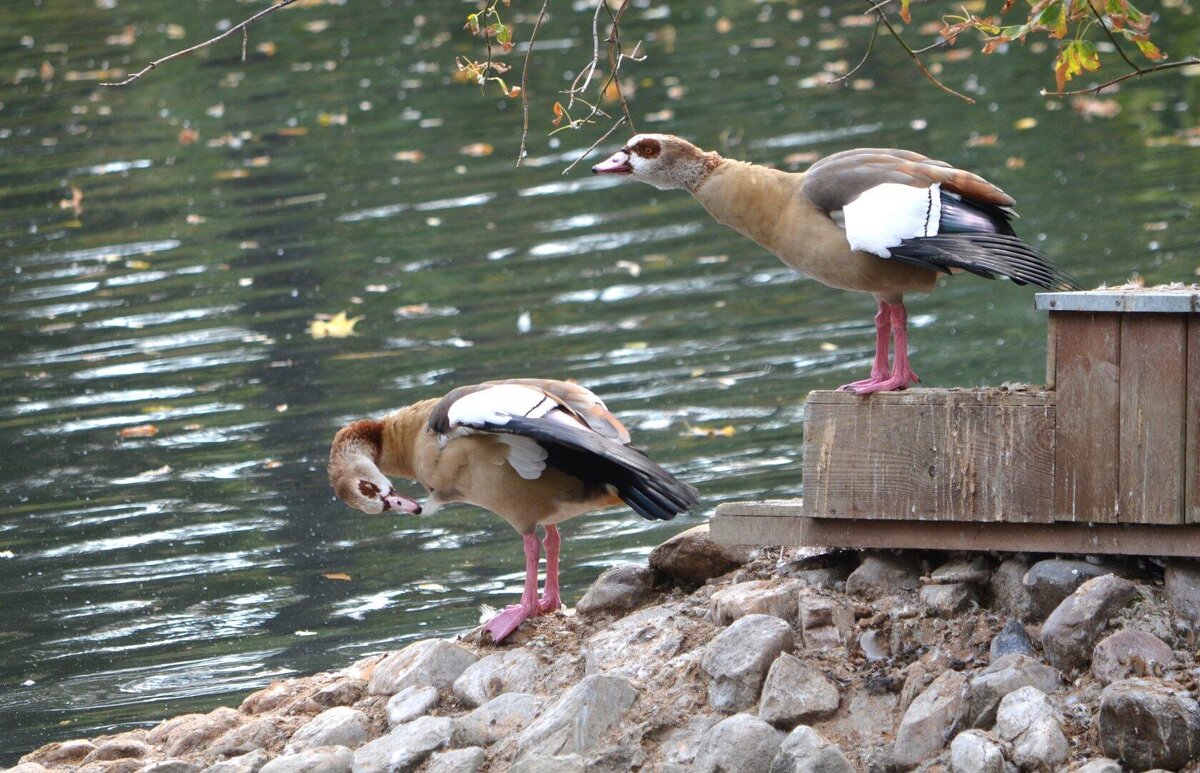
(925,454)
(1192,452)
(1052,351)
(1155,300)
(1087,369)
(1153,383)
(788,527)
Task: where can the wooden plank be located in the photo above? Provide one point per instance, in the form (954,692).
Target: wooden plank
(1192,451)
(930,454)
(1051,349)
(1152,300)
(1118,539)
(1086,456)
(1153,383)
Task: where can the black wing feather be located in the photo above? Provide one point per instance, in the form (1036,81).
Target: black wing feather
(986,254)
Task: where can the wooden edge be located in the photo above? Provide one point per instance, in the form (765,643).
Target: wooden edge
(1035,395)
(728,528)
(1185,300)
(1052,351)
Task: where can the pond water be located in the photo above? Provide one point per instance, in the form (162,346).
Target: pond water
(225,204)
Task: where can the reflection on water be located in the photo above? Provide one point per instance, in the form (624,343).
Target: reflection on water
(169,540)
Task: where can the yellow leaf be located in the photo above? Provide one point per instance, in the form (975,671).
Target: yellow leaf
(141,430)
(336,576)
(1026,123)
(712,432)
(337,326)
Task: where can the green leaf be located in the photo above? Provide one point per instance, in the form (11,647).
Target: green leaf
(1054,17)
(1150,51)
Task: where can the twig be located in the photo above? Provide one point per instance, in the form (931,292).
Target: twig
(917,60)
(1191,60)
(245,40)
(615,58)
(205,44)
(866,54)
(603,137)
(524,91)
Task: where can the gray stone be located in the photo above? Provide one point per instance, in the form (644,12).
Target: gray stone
(821,571)
(63,752)
(246,763)
(1013,639)
(872,645)
(507,671)
(405,747)
(825,623)
(502,716)
(637,647)
(410,703)
(971,570)
(117,749)
(1146,723)
(755,597)
(678,748)
(740,744)
(323,759)
(807,751)
(276,696)
(1049,582)
(1071,631)
(795,693)
(1182,584)
(948,599)
(433,662)
(619,589)
(540,763)
(27,767)
(922,731)
(171,766)
(259,733)
(1098,765)
(193,732)
(340,726)
(985,690)
(468,760)
(736,661)
(1007,593)
(882,575)
(1031,726)
(691,557)
(343,692)
(976,752)
(578,721)
(1130,653)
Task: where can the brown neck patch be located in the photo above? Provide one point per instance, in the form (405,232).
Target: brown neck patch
(366,433)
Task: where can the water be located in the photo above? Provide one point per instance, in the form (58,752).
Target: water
(154,575)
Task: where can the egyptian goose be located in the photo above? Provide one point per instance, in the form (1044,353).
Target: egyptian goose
(876,220)
(533,451)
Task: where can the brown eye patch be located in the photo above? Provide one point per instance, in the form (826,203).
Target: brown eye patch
(368,489)
(647,148)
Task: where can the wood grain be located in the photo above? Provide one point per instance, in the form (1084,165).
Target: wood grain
(1192,451)
(1153,416)
(1087,350)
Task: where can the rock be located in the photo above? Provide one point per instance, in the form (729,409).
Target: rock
(637,647)
(324,759)
(538,763)
(825,623)
(1098,765)
(468,760)
(740,744)
(985,690)
(619,589)
(27,767)
(678,749)
(1070,633)
(795,693)
(405,747)
(343,692)
(1013,639)
(976,752)
(872,645)
(117,749)
(755,597)
(508,671)
(1130,653)
(578,721)
(1146,723)
(691,557)
(807,751)
(193,732)
(434,662)
(947,600)
(821,571)
(171,766)
(410,703)
(275,696)
(61,753)
(264,732)
(502,716)
(1182,584)
(736,661)
(127,765)
(1031,726)
(882,575)
(246,763)
(971,570)
(340,726)
(1049,582)
(922,731)
(1007,594)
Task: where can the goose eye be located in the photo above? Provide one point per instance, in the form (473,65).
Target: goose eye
(368,489)
(647,148)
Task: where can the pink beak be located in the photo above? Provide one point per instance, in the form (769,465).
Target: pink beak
(617,163)
(394,501)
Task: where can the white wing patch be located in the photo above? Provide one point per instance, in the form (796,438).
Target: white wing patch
(525,456)
(497,404)
(883,216)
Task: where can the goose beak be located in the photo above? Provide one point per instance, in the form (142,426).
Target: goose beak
(394,501)
(617,163)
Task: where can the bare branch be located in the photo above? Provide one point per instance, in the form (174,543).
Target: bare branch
(917,60)
(866,54)
(592,147)
(1191,60)
(615,57)
(1113,38)
(524,91)
(242,26)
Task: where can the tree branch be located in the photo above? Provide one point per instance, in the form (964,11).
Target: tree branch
(205,44)
(1191,60)
(537,25)
(917,60)
(603,137)
(866,54)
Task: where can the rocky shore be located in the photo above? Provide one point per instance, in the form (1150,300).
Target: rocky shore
(712,659)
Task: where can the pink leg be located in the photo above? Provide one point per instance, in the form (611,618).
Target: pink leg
(879,368)
(550,601)
(507,621)
(902,374)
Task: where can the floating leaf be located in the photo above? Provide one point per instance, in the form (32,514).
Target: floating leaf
(336,326)
(140,430)
(336,576)
(409,156)
(477,149)
(75,203)
(711,432)
(1026,123)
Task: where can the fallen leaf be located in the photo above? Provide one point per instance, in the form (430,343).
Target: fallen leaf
(336,576)
(175,31)
(141,430)
(1013,162)
(266,48)
(75,203)
(336,326)
(477,149)
(1026,123)
(409,156)
(710,432)
(982,140)
(828,346)
(158,473)
(231,174)
(332,119)
(272,464)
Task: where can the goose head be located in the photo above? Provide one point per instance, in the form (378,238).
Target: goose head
(356,478)
(663,160)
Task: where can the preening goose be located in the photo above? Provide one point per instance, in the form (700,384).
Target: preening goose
(533,451)
(876,220)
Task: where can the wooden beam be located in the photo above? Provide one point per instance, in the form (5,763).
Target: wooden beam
(1192,454)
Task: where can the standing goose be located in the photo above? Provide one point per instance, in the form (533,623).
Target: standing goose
(533,451)
(876,220)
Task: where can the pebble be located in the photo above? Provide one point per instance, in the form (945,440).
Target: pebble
(822,571)
(755,597)
(468,760)
(340,726)
(742,743)
(1130,653)
(976,752)
(245,763)
(1148,723)
(405,747)
(502,716)
(433,662)
(736,661)
(985,690)
(1050,581)
(922,730)
(579,720)
(619,589)
(825,623)
(513,670)
(795,693)
(1007,592)
(1071,631)
(324,759)
(410,703)
(804,750)
(691,557)
(1099,765)
(882,575)
(1182,584)
(948,599)
(1032,728)
(1013,639)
